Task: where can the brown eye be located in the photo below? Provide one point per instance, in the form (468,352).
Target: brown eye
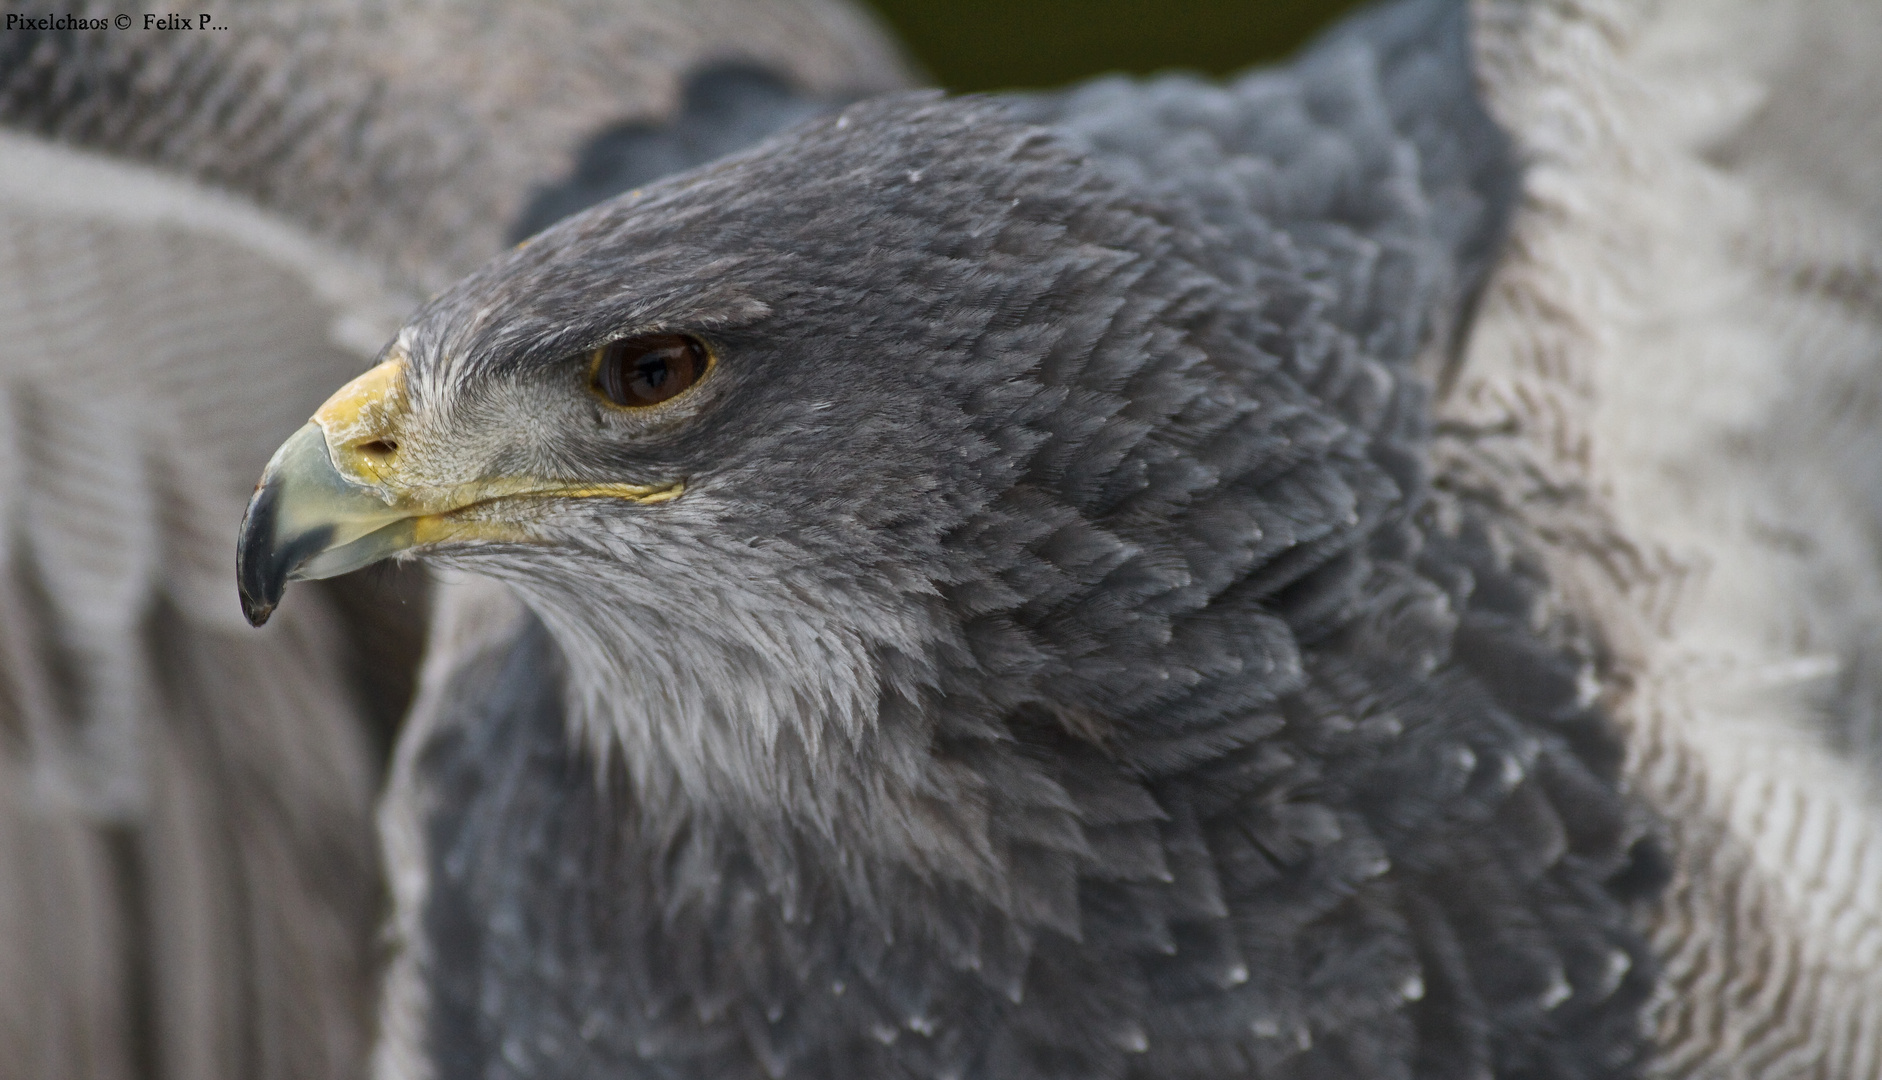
(640,371)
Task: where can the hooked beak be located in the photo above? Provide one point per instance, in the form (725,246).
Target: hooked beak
(312,516)
(306,521)
(334,497)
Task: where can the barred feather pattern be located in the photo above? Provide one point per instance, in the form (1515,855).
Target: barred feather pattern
(189,882)
(1672,388)
(411,131)
(1276,768)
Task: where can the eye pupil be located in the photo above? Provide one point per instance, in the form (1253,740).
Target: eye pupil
(641,371)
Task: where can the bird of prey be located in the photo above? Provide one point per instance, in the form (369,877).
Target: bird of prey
(201,233)
(1364,570)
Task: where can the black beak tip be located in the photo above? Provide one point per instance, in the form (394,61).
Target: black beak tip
(256,611)
(261,570)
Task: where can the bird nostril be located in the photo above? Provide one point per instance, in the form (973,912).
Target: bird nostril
(378,448)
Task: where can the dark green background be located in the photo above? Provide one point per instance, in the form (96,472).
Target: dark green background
(997,44)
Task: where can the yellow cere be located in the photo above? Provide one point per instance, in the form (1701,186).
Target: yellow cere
(363,411)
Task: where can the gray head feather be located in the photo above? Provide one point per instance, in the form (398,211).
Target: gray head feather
(1055,600)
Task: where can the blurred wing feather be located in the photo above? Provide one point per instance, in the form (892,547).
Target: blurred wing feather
(186,800)
(1674,380)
